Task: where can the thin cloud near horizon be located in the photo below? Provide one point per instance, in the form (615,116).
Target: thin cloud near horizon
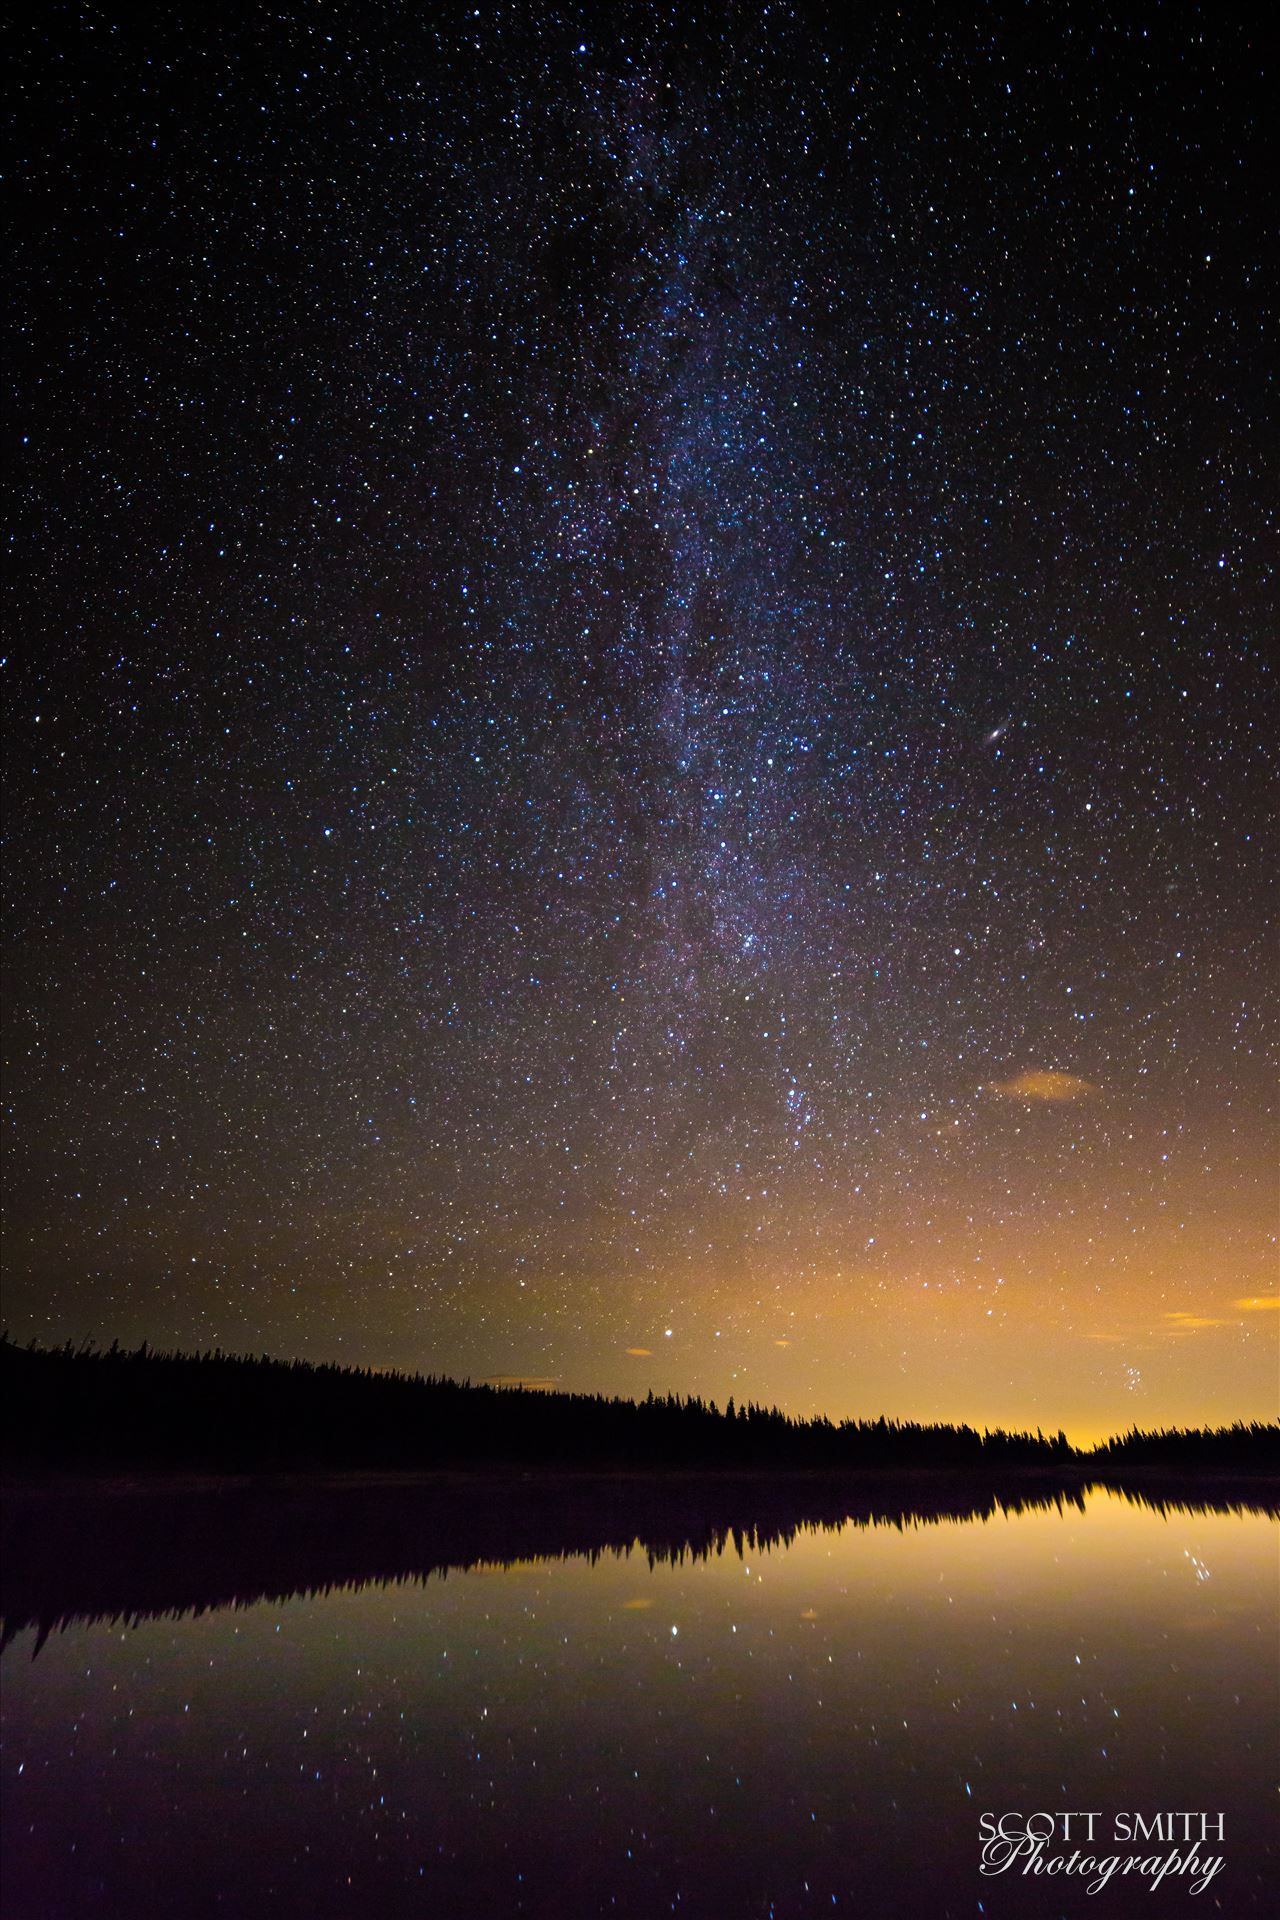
(1043,1085)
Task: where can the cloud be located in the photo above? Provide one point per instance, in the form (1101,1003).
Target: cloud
(782,1343)
(1043,1085)
(1190,1322)
(534,1382)
(640,1353)
(1259,1303)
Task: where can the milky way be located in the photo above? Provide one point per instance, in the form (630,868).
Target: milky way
(640,717)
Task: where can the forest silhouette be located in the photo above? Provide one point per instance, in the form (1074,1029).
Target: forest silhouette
(142,1484)
(85,1409)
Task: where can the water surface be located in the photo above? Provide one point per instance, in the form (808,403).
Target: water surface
(709,1724)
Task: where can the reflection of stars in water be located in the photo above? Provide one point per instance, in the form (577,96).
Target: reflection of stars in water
(1198,1566)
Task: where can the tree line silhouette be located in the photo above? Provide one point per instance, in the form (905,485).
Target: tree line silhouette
(86,1408)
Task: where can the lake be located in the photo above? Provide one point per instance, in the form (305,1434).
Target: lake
(780,1702)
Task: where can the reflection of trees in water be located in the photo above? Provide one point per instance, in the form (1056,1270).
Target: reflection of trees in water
(672,1477)
(83,1554)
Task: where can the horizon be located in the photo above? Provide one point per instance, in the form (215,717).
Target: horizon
(515,1384)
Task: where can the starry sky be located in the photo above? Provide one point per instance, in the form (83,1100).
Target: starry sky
(640,699)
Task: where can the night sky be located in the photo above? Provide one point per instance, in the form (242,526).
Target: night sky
(640,700)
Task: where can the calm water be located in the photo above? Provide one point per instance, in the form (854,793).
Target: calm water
(794,1729)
